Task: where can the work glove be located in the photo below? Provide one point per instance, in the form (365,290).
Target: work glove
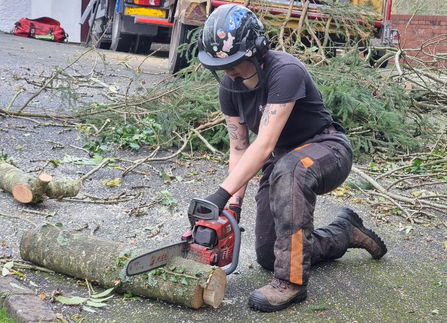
(236,208)
(220,198)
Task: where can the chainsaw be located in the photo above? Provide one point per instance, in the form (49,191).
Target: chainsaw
(215,239)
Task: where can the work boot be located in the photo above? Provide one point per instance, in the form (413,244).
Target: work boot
(362,237)
(277,295)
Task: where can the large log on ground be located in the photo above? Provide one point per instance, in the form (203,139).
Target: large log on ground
(181,281)
(27,189)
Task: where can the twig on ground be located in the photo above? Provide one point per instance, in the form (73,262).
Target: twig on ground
(94,170)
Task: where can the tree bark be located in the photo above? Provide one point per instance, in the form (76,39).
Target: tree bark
(181,281)
(27,189)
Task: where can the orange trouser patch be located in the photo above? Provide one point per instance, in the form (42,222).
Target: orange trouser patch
(307,162)
(300,147)
(296,258)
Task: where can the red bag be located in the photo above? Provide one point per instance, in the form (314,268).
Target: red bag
(41,28)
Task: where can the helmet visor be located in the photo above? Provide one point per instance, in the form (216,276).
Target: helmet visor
(217,63)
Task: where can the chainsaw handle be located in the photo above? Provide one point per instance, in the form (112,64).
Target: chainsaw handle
(237,242)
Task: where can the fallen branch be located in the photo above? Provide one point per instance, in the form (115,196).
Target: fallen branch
(18,217)
(96,200)
(27,189)
(22,265)
(48,81)
(150,158)
(94,170)
(420,202)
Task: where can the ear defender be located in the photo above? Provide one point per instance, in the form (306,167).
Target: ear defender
(262,46)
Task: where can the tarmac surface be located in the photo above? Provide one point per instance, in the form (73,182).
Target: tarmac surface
(409,284)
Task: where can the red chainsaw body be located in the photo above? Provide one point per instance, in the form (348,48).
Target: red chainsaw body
(211,242)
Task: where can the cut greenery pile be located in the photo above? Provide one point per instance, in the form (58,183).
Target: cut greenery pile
(375,108)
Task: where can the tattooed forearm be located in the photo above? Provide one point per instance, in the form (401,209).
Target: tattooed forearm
(239,200)
(237,134)
(268,111)
(232,129)
(243,142)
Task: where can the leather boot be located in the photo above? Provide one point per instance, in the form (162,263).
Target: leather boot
(362,237)
(277,295)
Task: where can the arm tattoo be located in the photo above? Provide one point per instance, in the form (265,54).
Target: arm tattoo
(232,129)
(239,200)
(243,142)
(268,111)
(240,136)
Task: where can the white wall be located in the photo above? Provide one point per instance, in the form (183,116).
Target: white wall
(67,12)
(12,11)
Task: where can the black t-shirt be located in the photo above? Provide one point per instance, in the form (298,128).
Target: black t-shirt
(285,79)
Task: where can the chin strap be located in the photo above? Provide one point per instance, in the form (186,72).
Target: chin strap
(259,72)
(239,80)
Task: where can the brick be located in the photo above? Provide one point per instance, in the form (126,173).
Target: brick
(26,308)
(401,17)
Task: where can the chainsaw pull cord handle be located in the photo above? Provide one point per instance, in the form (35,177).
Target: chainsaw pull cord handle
(237,242)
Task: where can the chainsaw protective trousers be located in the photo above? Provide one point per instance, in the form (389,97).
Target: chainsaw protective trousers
(286,241)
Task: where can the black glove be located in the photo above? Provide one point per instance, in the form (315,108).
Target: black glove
(220,198)
(236,208)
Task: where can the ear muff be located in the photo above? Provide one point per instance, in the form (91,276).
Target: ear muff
(262,46)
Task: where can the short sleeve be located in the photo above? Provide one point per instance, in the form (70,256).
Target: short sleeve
(287,83)
(226,101)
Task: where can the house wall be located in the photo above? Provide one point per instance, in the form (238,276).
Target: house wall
(68,13)
(12,11)
(427,32)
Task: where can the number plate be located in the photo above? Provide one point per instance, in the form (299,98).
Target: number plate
(149,12)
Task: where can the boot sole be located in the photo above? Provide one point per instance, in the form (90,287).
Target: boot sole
(258,301)
(357,222)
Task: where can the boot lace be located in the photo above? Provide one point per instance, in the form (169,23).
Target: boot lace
(279,284)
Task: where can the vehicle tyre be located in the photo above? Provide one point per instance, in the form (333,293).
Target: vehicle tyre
(120,42)
(101,36)
(142,45)
(179,36)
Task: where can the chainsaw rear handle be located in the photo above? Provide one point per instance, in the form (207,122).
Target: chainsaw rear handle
(237,242)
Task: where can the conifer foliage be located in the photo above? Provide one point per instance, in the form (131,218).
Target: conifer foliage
(374,108)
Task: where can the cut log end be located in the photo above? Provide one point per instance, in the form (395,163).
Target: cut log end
(197,300)
(45,178)
(214,292)
(22,193)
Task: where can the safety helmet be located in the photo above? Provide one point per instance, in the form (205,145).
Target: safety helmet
(231,35)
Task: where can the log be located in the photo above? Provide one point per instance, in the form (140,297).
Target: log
(181,281)
(27,189)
